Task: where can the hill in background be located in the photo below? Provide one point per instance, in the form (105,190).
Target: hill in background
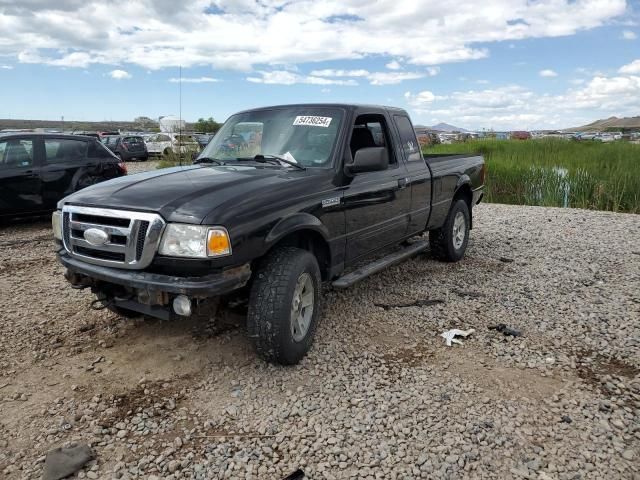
(610,124)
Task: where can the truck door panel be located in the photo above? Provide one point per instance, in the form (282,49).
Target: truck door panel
(376,203)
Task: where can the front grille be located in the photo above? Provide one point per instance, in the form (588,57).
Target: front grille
(131,237)
(66,231)
(142,234)
(98,220)
(92,252)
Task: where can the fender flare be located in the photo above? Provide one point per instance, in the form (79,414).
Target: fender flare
(293,223)
(462,181)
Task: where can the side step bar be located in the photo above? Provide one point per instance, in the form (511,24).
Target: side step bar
(392,259)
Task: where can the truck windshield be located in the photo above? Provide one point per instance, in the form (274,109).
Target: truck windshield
(304,135)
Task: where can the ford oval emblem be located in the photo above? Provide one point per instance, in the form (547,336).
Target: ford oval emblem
(96,237)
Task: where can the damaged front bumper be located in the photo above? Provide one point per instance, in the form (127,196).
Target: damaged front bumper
(150,293)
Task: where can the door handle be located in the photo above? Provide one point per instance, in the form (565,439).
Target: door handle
(402,183)
(30,174)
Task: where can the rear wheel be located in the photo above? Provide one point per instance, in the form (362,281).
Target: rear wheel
(284,305)
(450,241)
(167,152)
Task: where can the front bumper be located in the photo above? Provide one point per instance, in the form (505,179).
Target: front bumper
(205,286)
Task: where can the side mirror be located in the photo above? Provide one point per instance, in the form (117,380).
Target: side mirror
(371,159)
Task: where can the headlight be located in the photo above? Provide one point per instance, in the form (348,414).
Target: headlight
(195,241)
(56,224)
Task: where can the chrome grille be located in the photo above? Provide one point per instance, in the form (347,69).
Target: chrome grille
(131,237)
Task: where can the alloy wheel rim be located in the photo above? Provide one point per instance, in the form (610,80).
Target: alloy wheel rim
(302,307)
(459,230)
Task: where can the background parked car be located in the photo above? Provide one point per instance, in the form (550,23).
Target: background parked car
(234,143)
(127,147)
(202,139)
(37,170)
(169,143)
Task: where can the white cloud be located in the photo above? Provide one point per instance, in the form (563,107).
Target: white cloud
(194,80)
(6,67)
(284,77)
(629,35)
(119,74)
(243,35)
(632,68)
(393,65)
(328,72)
(376,78)
(393,78)
(548,73)
(420,99)
(516,107)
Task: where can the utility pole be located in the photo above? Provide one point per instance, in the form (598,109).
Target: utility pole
(180,119)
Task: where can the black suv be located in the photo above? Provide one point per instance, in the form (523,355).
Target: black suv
(127,147)
(37,170)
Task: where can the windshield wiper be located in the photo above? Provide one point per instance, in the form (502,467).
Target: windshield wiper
(208,160)
(274,159)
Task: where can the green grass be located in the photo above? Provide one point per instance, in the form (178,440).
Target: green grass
(560,173)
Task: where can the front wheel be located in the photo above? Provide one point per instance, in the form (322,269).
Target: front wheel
(450,241)
(284,305)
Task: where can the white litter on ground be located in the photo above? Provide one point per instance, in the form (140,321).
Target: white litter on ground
(450,334)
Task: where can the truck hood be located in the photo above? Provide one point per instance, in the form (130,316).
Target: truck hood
(185,194)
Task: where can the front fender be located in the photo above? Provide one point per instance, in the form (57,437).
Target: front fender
(293,223)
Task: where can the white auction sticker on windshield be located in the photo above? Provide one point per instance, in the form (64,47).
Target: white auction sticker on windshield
(312,121)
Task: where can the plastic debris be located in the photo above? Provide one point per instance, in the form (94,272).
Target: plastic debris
(450,335)
(501,327)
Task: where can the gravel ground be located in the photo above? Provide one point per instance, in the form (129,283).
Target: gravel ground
(137,167)
(379,395)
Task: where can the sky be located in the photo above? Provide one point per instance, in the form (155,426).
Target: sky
(496,64)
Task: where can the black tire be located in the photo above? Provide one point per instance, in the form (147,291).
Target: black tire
(443,244)
(167,151)
(269,317)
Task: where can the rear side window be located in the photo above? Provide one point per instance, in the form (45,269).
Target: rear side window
(97,150)
(60,150)
(16,153)
(133,140)
(410,145)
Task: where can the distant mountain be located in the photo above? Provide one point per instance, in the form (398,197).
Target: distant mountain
(445,127)
(611,123)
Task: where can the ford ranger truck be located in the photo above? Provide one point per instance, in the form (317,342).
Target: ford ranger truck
(311,195)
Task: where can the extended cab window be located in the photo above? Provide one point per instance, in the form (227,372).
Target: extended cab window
(408,140)
(16,153)
(64,150)
(371,131)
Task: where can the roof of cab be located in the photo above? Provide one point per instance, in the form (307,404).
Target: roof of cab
(346,106)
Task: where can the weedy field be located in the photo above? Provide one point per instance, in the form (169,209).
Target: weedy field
(558,173)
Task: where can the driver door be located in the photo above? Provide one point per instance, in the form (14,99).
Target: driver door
(377,204)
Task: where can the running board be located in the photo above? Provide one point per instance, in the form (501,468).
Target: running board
(392,259)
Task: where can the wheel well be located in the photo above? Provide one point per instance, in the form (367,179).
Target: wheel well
(313,242)
(464,192)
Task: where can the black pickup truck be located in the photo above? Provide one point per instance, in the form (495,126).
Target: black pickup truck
(310,194)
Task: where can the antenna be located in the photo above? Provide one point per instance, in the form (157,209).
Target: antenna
(180,119)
